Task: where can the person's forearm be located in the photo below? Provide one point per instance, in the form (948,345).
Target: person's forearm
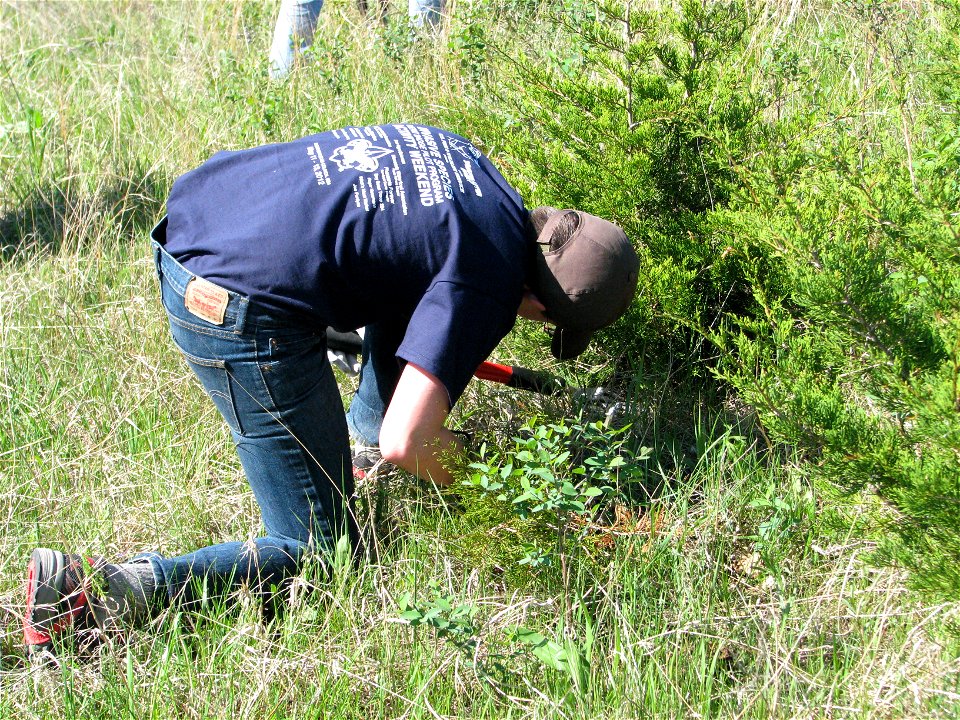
(413,435)
(431,459)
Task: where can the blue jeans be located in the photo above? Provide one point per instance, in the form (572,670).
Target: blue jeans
(297,22)
(272,383)
(293,33)
(425,12)
(379,372)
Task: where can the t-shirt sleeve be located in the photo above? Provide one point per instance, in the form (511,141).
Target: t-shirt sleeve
(453,329)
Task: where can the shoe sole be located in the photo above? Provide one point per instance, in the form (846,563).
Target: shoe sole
(44,585)
(41,598)
(48,609)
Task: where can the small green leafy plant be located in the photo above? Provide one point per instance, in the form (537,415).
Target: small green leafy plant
(456,623)
(784,515)
(450,621)
(553,472)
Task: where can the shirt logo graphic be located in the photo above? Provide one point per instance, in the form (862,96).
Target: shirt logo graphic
(465,149)
(359,154)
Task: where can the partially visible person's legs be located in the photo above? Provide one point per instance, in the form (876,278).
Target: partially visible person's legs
(379,373)
(425,12)
(273,385)
(293,33)
(297,22)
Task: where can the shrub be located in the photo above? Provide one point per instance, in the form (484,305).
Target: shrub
(793,185)
(639,116)
(552,473)
(855,358)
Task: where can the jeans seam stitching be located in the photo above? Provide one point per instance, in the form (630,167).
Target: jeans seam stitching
(222,334)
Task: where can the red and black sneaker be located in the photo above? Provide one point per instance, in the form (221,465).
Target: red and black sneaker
(366,461)
(57,597)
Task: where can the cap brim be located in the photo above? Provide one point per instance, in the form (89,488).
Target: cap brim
(567,344)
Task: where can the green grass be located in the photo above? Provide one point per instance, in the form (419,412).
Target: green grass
(739,591)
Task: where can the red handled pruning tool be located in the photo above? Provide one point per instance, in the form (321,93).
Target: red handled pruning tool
(509,375)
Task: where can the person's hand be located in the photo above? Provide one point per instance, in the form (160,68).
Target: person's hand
(531,308)
(348,362)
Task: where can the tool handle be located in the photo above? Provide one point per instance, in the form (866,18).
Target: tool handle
(520,378)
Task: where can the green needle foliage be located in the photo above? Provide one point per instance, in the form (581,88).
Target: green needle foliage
(793,190)
(642,119)
(856,354)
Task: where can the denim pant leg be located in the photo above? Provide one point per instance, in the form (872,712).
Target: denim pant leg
(425,12)
(379,373)
(273,385)
(293,33)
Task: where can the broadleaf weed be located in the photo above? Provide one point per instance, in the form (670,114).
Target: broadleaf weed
(552,472)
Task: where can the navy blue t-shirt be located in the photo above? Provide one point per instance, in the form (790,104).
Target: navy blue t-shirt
(403,223)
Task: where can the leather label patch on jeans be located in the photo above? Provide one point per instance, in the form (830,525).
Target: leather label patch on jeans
(206,300)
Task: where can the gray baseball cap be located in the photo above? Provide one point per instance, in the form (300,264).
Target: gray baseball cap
(586,278)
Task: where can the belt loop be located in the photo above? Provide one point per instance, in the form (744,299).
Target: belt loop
(242,305)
